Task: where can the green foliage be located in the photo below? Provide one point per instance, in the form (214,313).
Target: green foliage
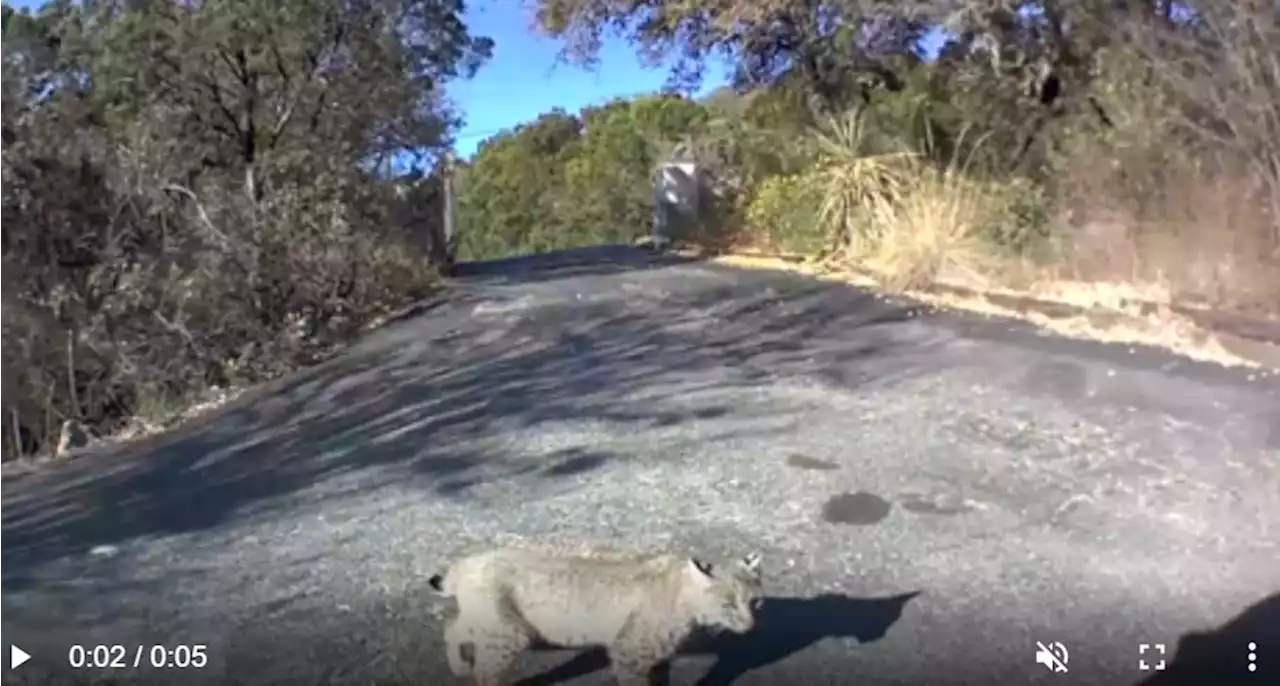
(201,193)
(509,200)
(567,180)
(780,177)
(196,194)
(784,215)
(612,173)
(858,174)
(1020,221)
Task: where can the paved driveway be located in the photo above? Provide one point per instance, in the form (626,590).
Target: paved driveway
(934,493)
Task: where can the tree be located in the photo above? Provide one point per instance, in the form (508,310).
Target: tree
(199,193)
(1012,67)
(613,170)
(834,50)
(566,180)
(253,83)
(510,196)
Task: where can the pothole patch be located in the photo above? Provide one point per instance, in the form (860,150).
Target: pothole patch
(859,508)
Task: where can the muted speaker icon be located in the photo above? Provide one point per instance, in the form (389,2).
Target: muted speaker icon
(1053,656)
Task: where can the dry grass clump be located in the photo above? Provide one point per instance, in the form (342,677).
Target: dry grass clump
(904,218)
(1206,242)
(1130,244)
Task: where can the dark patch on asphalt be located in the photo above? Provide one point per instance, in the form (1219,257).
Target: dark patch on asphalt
(446,465)
(856,508)
(934,505)
(577,464)
(806,462)
(597,260)
(456,486)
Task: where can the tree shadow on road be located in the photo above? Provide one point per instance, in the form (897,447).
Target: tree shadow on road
(421,405)
(784,626)
(594,260)
(1222,655)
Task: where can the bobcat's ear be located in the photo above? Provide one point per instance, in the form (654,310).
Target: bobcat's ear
(751,562)
(701,567)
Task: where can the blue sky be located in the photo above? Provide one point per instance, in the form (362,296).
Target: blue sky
(523,79)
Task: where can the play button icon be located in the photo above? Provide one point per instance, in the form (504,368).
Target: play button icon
(17,657)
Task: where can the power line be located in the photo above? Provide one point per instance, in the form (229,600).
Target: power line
(600,102)
(487,132)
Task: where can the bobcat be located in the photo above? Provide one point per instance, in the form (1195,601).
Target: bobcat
(640,607)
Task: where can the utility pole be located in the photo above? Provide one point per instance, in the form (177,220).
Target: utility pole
(444,251)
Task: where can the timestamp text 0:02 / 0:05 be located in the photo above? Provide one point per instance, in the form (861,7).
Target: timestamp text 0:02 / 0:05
(120,657)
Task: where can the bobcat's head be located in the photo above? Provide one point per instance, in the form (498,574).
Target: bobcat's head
(726,596)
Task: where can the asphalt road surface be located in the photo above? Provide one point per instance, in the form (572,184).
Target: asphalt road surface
(934,493)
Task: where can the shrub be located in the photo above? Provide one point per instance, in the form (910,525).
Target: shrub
(1020,218)
(783,215)
(107,313)
(910,220)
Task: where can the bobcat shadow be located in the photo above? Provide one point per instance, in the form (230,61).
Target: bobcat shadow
(784,627)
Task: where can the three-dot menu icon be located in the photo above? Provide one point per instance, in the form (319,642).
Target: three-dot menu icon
(1253,656)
